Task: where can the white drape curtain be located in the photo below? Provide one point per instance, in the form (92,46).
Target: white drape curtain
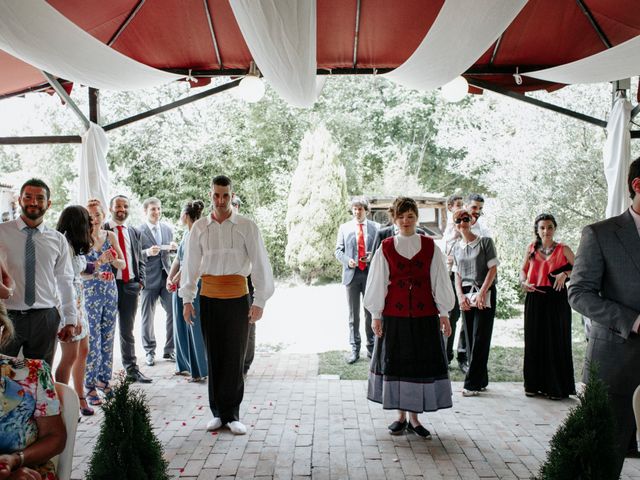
(36,33)
(615,63)
(281,36)
(617,157)
(462,32)
(93,180)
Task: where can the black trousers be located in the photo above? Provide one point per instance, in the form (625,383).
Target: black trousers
(35,332)
(225,326)
(454,316)
(355,290)
(127,306)
(479,327)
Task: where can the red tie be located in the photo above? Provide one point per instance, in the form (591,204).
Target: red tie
(123,247)
(361,249)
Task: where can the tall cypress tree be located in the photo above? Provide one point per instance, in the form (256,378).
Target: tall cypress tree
(127,448)
(583,446)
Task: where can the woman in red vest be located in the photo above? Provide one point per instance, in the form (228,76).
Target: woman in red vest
(409,296)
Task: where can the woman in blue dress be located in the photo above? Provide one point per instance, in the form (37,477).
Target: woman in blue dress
(191,355)
(101,304)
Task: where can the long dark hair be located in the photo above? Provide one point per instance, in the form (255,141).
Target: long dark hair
(540,218)
(74,223)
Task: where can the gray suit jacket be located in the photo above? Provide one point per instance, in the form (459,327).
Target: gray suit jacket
(605,286)
(347,246)
(155,264)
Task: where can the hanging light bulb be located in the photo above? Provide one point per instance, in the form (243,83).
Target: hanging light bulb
(251,87)
(455,90)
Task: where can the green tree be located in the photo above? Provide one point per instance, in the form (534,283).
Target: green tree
(316,207)
(127,448)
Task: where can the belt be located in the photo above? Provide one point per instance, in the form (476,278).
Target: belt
(29,311)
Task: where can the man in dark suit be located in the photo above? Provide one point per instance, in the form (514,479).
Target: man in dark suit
(605,286)
(157,242)
(353,249)
(129,281)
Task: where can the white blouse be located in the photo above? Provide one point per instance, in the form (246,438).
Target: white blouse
(378,278)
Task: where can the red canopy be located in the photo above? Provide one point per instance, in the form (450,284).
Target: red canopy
(176,36)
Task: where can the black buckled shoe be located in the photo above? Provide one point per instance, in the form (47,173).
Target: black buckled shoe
(353,358)
(396,428)
(135,375)
(419,430)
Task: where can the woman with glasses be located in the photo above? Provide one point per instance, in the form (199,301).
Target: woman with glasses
(409,296)
(476,265)
(548,362)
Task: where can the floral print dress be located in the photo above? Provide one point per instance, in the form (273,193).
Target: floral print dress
(101,306)
(26,393)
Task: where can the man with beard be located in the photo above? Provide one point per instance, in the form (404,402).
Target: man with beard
(129,280)
(39,260)
(223,249)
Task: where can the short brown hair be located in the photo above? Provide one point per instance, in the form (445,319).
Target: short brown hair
(461,213)
(402,205)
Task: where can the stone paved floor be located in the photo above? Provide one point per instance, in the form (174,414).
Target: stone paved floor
(301,425)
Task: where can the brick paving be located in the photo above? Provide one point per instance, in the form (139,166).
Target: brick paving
(301,425)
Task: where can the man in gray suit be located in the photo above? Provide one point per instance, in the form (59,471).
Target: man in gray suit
(605,286)
(353,249)
(157,243)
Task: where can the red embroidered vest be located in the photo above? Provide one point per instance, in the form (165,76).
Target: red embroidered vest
(409,292)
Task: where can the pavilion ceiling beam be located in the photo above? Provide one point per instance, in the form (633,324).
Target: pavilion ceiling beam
(538,103)
(207,12)
(66,98)
(40,140)
(356,35)
(126,23)
(172,105)
(594,23)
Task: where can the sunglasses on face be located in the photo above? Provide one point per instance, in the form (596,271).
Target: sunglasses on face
(458,221)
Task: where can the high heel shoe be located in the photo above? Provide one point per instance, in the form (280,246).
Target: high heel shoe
(86,411)
(93,398)
(106,390)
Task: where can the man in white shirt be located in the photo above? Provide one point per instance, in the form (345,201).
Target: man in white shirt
(354,247)
(224,248)
(475,205)
(130,281)
(39,260)
(156,238)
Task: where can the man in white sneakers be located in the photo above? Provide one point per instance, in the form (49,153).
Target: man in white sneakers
(224,249)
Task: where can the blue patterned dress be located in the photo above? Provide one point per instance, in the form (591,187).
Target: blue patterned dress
(191,354)
(101,305)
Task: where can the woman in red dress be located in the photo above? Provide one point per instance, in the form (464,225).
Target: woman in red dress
(548,362)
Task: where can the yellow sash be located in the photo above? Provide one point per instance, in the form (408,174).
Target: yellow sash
(224,286)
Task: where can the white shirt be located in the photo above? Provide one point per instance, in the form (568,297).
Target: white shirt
(127,245)
(54,271)
(233,247)
(480,229)
(378,279)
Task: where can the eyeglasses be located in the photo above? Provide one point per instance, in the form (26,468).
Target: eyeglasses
(458,221)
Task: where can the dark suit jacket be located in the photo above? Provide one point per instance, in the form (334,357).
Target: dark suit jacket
(387,232)
(162,261)
(136,264)
(605,286)
(347,246)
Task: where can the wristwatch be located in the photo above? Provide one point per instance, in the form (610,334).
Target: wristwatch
(20,454)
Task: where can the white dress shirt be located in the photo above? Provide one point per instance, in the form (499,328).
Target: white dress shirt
(480,229)
(378,279)
(127,245)
(54,270)
(233,247)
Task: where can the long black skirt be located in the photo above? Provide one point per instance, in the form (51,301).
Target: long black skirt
(548,362)
(409,366)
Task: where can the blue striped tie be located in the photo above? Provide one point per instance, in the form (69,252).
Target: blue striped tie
(30,268)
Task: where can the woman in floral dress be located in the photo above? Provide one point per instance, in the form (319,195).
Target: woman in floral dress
(29,413)
(101,304)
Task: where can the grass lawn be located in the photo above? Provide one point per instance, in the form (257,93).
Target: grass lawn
(505,363)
